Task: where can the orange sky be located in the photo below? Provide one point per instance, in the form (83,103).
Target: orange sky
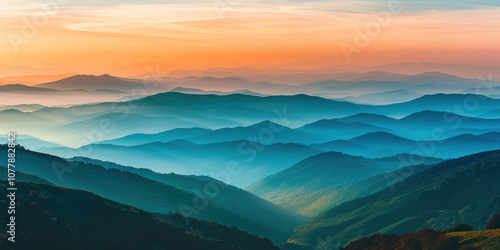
(94,38)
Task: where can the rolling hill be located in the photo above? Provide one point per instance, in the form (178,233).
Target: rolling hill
(315,178)
(55,217)
(216,112)
(366,186)
(228,196)
(371,119)
(461,190)
(213,92)
(381,144)
(461,104)
(31,142)
(14,119)
(265,132)
(113,125)
(484,239)
(425,125)
(24,88)
(429,238)
(387,97)
(166,136)
(261,217)
(25,177)
(240,109)
(251,160)
(23,107)
(91,82)
(332,129)
(463,70)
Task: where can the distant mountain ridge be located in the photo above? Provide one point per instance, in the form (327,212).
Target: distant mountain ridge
(421,124)
(216,112)
(387,97)
(252,159)
(202,92)
(90,83)
(382,144)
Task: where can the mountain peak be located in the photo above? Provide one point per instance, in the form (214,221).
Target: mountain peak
(430,115)
(183,89)
(378,136)
(90,83)
(12,111)
(266,124)
(325,123)
(366,116)
(438,74)
(440,97)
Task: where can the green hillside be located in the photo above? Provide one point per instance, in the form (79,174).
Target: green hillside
(21,176)
(430,239)
(452,192)
(261,217)
(314,184)
(53,217)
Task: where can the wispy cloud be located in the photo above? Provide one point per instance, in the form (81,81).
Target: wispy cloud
(282,26)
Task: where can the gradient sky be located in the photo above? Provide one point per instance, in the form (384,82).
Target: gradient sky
(92,37)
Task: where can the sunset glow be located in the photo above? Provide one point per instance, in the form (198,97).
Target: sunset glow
(88,37)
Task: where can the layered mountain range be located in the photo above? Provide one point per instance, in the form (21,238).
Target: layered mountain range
(251,159)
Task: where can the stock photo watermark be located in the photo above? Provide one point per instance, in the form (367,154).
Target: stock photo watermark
(30,25)
(11,186)
(371,30)
(223,6)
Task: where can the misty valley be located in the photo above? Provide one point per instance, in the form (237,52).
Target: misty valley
(243,170)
